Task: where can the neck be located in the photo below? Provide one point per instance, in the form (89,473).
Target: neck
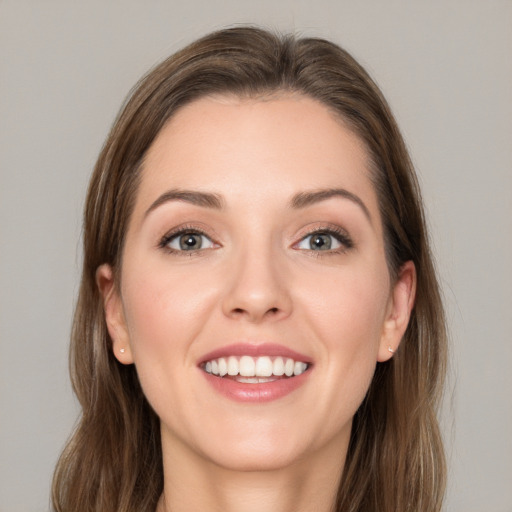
(193,485)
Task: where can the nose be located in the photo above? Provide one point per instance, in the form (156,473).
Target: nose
(257,288)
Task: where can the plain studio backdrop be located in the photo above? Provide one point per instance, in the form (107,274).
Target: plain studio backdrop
(446,69)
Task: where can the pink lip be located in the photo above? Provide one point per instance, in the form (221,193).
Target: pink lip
(255,393)
(263,392)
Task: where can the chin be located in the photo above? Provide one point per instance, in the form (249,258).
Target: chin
(259,447)
(255,459)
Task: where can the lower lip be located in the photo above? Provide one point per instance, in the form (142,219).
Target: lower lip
(261,392)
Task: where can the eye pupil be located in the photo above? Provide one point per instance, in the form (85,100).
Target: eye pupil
(190,241)
(321,241)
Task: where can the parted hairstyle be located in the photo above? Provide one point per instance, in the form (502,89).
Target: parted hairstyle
(395,460)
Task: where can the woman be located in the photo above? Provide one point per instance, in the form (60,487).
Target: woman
(259,324)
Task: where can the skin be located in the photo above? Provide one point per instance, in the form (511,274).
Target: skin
(257,279)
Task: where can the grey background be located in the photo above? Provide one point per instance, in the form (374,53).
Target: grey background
(446,68)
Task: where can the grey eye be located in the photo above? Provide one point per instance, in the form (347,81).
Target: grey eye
(190,242)
(319,242)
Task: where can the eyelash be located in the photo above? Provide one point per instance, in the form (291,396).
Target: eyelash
(337,233)
(183,230)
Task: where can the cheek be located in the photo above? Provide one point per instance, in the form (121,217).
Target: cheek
(347,315)
(349,306)
(162,309)
(165,312)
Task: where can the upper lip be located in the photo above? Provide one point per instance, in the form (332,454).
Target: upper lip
(254,350)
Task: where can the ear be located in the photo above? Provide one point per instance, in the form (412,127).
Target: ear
(401,302)
(114,314)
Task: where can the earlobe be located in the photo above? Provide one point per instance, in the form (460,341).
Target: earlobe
(114,314)
(400,306)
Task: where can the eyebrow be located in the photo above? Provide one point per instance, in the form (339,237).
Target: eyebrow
(216,202)
(304,199)
(204,199)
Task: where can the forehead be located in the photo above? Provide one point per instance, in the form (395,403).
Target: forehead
(262,148)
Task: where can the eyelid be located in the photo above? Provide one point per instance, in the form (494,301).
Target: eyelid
(337,232)
(184,229)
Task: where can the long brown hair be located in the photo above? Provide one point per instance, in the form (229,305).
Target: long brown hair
(395,462)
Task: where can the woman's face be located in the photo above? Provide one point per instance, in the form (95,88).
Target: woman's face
(255,247)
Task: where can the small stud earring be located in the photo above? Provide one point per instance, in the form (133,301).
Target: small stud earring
(121,350)
(391,350)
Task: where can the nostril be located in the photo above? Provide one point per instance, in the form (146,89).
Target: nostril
(241,311)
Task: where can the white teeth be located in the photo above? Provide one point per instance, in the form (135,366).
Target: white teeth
(223,367)
(258,367)
(299,368)
(278,366)
(264,366)
(232,366)
(254,380)
(247,367)
(248,380)
(288,367)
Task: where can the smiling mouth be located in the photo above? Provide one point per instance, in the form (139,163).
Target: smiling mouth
(255,370)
